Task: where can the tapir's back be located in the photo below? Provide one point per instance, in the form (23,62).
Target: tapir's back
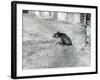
(65,39)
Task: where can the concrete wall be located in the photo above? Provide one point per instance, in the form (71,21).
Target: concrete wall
(62,16)
(69,17)
(77,18)
(37,13)
(73,18)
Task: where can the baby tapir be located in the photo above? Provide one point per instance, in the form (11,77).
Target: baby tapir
(65,40)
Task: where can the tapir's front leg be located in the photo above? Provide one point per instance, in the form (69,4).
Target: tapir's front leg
(59,43)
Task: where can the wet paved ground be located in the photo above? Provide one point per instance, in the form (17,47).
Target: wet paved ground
(40,51)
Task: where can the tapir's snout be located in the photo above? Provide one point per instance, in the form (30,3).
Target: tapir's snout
(55,36)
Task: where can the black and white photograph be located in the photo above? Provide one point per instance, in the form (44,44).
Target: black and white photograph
(56,39)
(53,39)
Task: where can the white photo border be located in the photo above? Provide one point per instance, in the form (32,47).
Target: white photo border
(17,71)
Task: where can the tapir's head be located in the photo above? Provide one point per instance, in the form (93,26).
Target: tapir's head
(56,35)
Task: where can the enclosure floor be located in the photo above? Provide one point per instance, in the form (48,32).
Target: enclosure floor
(40,51)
